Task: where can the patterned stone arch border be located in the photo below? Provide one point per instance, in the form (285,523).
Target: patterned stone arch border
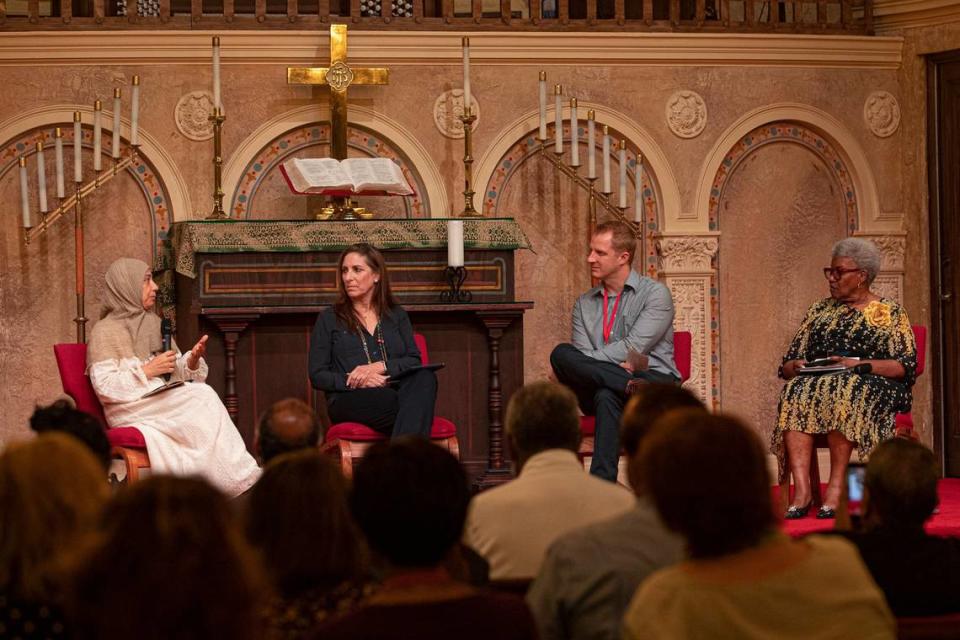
(770,133)
(144,174)
(317,134)
(527,147)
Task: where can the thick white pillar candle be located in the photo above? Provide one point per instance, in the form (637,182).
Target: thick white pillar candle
(623,174)
(58,153)
(574,134)
(467,98)
(42,177)
(135,112)
(97,126)
(638,190)
(217,105)
(591,145)
(24,196)
(558,124)
(455,243)
(606,160)
(77,142)
(543,106)
(115,142)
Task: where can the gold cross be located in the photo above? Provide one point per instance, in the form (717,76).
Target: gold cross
(338,76)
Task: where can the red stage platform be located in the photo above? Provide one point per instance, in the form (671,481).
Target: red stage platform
(944,523)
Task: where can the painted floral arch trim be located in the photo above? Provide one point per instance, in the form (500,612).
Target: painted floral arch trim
(318,134)
(144,174)
(774,132)
(528,146)
(784,132)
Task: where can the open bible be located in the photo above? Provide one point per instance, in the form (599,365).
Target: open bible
(328,176)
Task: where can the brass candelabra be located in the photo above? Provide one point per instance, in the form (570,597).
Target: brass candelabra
(468,119)
(217,118)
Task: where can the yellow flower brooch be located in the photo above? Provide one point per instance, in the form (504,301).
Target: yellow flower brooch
(878,314)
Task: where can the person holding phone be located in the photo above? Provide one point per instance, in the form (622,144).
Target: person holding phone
(871,340)
(361,346)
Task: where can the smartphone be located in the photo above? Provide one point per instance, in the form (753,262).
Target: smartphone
(855,477)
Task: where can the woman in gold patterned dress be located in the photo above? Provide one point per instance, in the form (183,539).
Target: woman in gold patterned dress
(870,336)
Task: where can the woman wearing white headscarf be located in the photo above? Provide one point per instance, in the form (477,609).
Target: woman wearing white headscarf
(187,429)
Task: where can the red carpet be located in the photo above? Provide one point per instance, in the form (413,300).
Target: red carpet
(944,523)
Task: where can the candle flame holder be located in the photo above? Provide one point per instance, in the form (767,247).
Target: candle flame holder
(217,118)
(455,277)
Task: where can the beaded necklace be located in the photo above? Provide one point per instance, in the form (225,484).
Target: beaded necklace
(380,343)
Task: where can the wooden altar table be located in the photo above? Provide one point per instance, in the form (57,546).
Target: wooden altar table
(256,288)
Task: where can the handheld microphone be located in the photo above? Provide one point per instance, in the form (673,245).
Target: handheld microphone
(166,335)
(863,369)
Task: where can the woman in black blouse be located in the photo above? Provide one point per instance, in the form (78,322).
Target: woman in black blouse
(359,348)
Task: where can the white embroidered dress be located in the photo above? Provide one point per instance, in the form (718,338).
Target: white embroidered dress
(187,429)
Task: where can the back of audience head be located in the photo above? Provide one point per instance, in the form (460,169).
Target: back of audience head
(707,475)
(410,500)
(170,562)
(62,416)
(644,408)
(288,425)
(51,492)
(901,485)
(299,519)
(542,416)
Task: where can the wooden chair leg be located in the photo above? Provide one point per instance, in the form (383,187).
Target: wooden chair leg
(133,460)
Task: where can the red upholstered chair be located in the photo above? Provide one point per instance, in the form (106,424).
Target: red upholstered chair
(349,440)
(126,443)
(682,346)
(903,429)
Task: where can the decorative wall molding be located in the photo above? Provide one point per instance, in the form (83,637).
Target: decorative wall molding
(881,112)
(691,303)
(686,113)
(192,115)
(447,110)
(417,48)
(687,254)
(895,15)
(893,248)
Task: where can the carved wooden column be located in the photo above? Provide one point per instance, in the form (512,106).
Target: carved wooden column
(231,326)
(687,267)
(497,471)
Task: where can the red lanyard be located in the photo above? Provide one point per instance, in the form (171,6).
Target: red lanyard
(608,328)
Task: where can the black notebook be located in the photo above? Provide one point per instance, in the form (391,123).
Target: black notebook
(166,387)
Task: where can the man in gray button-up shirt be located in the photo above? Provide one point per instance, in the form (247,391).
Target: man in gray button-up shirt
(622,331)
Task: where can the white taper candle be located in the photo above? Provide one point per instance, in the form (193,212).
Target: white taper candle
(217,105)
(24,196)
(543,106)
(467,98)
(115,141)
(574,134)
(97,126)
(58,154)
(606,160)
(42,177)
(591,145)
(135,112)
(455,243)
(623,174)
(558,124)
(638,190)
(77,146)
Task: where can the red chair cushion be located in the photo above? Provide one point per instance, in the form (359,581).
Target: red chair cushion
(588,425)
(682,348)
(441,428)
(129,437)
(920,336)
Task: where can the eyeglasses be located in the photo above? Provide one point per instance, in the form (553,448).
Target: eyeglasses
(835,273)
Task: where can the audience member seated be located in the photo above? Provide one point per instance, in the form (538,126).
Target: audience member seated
(512,525)
(410,500)
(288,425)
(299,520)
(919,574)
(590,574)
(187,429)
(870,336)
(51,492)
(62,416)
(707,476)
(170,562)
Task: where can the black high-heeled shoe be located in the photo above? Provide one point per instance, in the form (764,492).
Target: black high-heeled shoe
(826,513)
(795,513)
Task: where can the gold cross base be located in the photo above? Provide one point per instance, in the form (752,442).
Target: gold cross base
(341,208)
